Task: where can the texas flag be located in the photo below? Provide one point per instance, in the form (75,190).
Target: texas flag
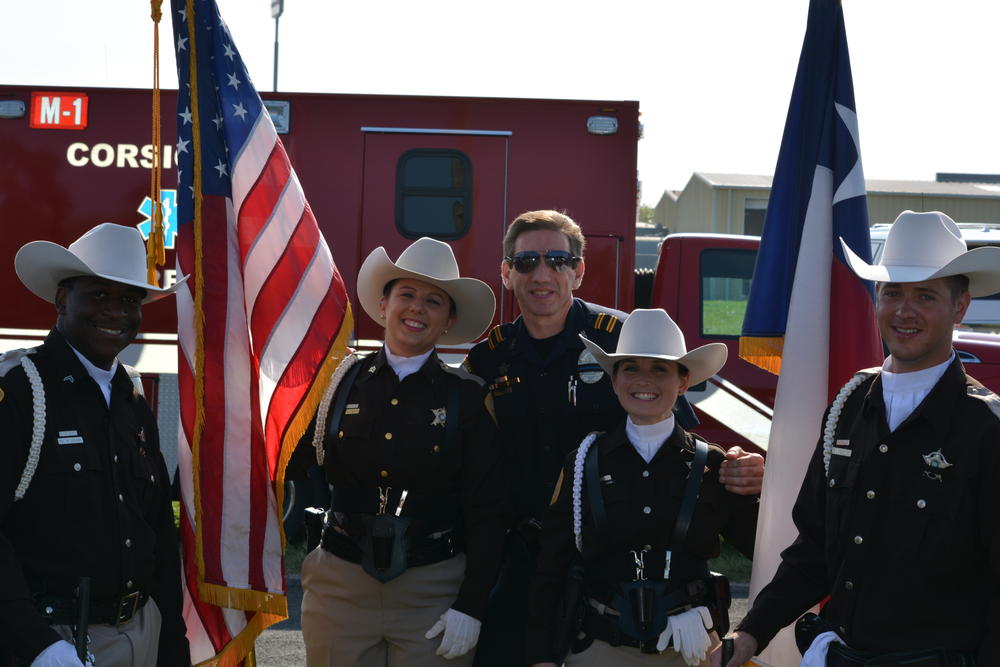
(809,319)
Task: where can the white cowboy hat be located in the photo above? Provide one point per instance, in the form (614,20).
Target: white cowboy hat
(925,246)
(109,251)
(432,262)
(652,334)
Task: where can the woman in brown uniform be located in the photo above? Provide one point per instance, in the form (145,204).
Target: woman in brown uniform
(636,515)
(416,525)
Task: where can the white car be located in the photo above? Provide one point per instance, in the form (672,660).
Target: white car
(984,311)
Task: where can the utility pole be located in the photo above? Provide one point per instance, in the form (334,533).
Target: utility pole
(277,6)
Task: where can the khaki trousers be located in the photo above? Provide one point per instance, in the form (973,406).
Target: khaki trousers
(132,644)
(602,654)
(351,619)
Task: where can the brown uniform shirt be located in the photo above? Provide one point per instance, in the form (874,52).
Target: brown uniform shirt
(903,532)
(642,501)
(393,435)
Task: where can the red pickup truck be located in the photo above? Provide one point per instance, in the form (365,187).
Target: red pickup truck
(703,281)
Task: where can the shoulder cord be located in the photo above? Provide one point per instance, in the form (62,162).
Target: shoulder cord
(581,456)
(324,404)
(830,428)
(37,430)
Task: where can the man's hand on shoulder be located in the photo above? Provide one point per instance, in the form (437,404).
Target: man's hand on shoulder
(742,472)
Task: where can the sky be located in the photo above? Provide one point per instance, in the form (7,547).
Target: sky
(713,77)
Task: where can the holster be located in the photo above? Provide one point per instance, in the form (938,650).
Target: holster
(807,628)
(383,546)
(643,609)
(314,520)
(569,613)
(719,600)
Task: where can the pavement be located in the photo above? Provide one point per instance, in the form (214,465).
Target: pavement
(281,644)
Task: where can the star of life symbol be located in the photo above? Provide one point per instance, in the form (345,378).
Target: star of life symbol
(439,416)
(168,198)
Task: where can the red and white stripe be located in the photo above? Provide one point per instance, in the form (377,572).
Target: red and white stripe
(273,305)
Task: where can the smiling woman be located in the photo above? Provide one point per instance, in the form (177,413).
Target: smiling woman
(639,510)
(416,525)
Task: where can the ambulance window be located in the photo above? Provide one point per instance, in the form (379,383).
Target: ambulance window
(725,285)
(433,193)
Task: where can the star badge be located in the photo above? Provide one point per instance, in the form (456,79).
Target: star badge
(439,416)
(936,460)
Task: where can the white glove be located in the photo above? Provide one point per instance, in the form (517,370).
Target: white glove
(690,634)
(58,654)
(461,632)
(816,655)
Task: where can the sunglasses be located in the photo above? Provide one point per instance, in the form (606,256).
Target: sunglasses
(527,260)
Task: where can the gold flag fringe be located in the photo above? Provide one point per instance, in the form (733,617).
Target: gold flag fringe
(762,352)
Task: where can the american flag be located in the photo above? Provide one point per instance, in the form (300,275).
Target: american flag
(261,324)
(808,315)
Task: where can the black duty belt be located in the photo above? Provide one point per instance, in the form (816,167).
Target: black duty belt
(424,550)
(839,655)
(441,507)
(62,610)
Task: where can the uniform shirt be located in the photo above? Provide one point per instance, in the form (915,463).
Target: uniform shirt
(98,505)
(393,435)
(903,532)
(545,407)
(642,501)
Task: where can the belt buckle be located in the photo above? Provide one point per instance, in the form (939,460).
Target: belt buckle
(127,606)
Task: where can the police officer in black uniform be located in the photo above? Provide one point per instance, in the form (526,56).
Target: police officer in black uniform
(84,491)
(640,507)
(548,393)
(419,504)
(897,512)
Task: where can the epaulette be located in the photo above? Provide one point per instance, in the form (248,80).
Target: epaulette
(606,322)
(461,373)
(136,377)
(497,335)
(12,358)
(980,392)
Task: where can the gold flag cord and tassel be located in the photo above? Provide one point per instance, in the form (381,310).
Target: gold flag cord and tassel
(155,253)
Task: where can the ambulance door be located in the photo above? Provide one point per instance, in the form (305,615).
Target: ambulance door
(447,184)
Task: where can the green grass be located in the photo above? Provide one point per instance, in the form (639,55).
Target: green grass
(731,563)
(294,555)
(722,318)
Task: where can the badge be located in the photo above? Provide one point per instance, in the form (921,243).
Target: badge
(352,409)
(69,378)
(588,369)
(938,462)
(439,416)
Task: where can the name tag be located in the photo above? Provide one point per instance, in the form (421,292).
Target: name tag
(69,438)
(839,450)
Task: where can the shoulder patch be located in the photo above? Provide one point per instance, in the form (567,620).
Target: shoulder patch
(12,358)
(462,373)
(991,400)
